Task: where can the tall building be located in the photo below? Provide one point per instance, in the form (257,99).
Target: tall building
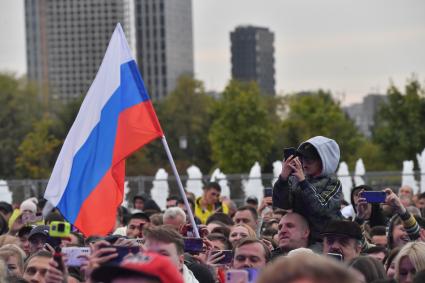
(364,114)
(164,43)
(66,41)
(253,57)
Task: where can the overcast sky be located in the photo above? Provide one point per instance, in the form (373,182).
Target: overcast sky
(350,47)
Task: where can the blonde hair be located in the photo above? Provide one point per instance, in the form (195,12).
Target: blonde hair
(7,239)
(415,251)
(3,271)
(13,250)
(251,232)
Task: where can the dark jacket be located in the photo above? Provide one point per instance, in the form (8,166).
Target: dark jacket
(318,199)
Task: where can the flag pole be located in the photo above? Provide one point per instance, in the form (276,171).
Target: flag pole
(179,183)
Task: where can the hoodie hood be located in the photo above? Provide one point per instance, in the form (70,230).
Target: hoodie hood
(329,153)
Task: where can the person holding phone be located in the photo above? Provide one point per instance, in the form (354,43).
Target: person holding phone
(308,184)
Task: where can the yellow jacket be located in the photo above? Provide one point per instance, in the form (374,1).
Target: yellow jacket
(203,214)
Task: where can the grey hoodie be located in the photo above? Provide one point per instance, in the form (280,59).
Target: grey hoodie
(318,199)
(328,151)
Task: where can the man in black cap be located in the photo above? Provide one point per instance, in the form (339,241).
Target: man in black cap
(38,238)
(342,238)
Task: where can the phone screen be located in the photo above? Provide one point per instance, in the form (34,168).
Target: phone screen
(76,256)
(228,256)
(287,152)
(193,245)
(336,256)
(374,197)
(268,192)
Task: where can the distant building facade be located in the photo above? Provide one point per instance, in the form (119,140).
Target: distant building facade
(66,41)
(252,57)
(363,114)
(164,43)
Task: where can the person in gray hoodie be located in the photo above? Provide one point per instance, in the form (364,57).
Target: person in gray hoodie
(308,184)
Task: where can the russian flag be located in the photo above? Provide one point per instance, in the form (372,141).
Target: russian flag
(115,119)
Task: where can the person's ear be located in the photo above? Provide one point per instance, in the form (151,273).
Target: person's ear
(358,248)
(306,233)
(181,260)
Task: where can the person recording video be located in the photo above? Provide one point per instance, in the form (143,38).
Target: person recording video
(308,184)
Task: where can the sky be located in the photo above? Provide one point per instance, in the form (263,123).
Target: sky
(349,47)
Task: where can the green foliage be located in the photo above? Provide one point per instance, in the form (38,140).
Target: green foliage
(316,113)
(372,155)
(185,112)
(37,151)
(242,131)
(231,132)
(64,115)
(19,109)
(399,126)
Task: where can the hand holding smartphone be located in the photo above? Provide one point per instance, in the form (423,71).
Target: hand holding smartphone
(288,152)
(268,192)
(227,256)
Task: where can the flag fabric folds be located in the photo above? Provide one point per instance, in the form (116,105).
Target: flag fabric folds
(115,119)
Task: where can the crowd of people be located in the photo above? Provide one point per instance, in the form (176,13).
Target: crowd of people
(303,231)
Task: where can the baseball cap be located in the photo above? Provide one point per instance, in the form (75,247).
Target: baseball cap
(252,199)
(39,230)
(149,265)
(344,229)
(308,151)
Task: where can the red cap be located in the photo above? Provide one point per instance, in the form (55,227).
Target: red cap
(149,265)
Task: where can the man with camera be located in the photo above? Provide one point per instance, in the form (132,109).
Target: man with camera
(308,184)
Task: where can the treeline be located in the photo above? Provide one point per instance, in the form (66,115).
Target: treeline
(230,130)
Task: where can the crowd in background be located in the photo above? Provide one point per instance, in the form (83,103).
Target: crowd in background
(301,231)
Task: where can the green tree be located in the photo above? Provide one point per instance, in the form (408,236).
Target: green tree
(19,109)
(63,115)
(184,114)
(37,152)
(242,131)
(400,122)
(317,113)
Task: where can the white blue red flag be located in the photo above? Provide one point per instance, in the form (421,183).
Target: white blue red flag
(115,119)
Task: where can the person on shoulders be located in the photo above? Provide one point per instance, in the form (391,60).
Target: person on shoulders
(308,184)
